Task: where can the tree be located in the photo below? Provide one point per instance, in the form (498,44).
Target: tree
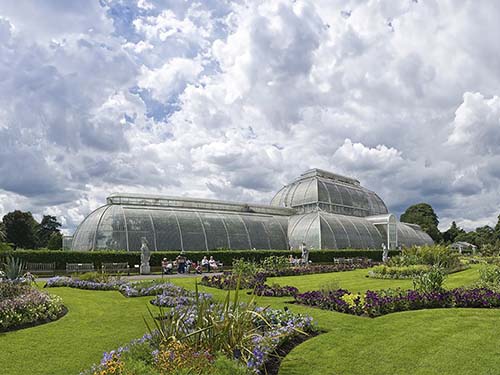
(55,241)
(423,214)
(3,236)
(47,227)
(497,228)
(451,234)
(484,235)
(20,229)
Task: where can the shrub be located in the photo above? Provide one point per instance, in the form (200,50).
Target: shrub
(489,277)
(435,255)
(275,263)
(244,267)
(401,272)
(430,281)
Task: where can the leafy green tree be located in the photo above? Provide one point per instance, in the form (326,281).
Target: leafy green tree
(55,241)
(451,234)
(469,237)
(3,236)
(423,214)
(484,235)
(20,229)
(47,227)
(497,228)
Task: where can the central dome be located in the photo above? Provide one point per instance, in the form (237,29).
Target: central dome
(316,190)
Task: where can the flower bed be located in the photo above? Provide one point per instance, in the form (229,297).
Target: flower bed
(229,281)
(23,306)
(275,290)
(128,289)
(319,268)
(377,303)
(204,337)
(402,272)
(408,272)
(64,281)
(169,298)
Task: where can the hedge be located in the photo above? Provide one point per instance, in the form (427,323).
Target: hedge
(225,256)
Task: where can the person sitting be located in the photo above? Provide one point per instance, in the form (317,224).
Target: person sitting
(197,267)
(212,263)
(166,266)
(205,263)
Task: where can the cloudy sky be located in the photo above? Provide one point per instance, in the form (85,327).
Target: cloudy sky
(231,100)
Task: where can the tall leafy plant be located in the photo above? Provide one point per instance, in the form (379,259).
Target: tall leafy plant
(13,268)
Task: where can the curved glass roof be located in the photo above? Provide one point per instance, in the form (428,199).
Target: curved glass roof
(318,189)
(322,209)
(323,230)
(119,227)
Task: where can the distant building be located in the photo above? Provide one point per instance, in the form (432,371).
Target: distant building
(320,208)
(462,246)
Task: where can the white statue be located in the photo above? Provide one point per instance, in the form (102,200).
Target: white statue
(305,253)
(145,256)
(385,253)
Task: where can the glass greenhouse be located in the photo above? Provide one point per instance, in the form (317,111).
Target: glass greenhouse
(321,209)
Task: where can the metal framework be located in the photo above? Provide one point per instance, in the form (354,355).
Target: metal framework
(320,208)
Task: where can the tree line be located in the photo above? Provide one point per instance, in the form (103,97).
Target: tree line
(423,214)
(19,229)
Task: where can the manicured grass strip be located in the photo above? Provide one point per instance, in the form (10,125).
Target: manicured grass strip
(356,281)
(97,321)
(442,341)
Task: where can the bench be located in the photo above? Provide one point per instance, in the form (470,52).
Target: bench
(351,260)
(116,268)
(41,268)
(79,267)
(343,260)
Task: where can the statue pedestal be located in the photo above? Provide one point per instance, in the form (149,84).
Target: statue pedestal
(145,269)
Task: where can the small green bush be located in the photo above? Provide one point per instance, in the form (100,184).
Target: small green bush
(431,281)
(402,272)
(435,255)
(489,277)
(244,267)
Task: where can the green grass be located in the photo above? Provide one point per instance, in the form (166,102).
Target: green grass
(441,341)
(97,321)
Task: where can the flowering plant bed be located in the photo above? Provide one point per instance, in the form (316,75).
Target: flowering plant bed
(230,281)
(407,272)
(204,337)
(275,290)
(65,281)
(377,303)
(22,305)
(317,268)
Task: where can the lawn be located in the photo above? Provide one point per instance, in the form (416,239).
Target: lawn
(444,341)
